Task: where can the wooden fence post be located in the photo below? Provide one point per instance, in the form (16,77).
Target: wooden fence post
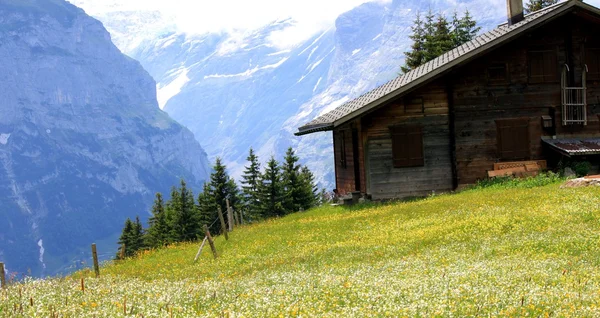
(2,276)
(95,257)
(210,241)
(237,215)
(200,250)
(229,216)
(223,227)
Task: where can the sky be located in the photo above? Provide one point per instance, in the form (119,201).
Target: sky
(236,16)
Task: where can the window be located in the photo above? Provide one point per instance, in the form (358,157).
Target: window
(407,146)
(497,73)
(513,138)
(592,60)
(341,148)
(543,66)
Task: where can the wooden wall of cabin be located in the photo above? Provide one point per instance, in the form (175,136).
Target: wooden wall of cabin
(348,153)
(428,108)
(480,96)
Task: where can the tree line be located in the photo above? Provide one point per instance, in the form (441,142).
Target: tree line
(278,190)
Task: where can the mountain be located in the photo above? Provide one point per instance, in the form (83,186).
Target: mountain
(237,90)
(83,143)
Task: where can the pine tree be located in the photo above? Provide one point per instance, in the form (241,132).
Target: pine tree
(442,39)
(271,190)
(535,5)
(250,181)
(429,44)
(464,29)
(290,179)
(172,207)
(186,226)
(137,237)
(158,231)
(207,209)
(125,241)
(310,192)
(416,56)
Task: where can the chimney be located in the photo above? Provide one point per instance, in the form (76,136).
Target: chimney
(514,10)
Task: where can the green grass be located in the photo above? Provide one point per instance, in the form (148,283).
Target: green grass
(509,251)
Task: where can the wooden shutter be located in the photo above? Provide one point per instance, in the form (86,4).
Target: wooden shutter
(342,149)
(513,138)
(592,60)
(543,66)
(407,146)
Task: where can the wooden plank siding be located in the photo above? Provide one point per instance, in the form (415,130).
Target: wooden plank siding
(345,175)
(478,102)
(427,108)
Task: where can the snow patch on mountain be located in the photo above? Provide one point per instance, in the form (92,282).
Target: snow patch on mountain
(166,92)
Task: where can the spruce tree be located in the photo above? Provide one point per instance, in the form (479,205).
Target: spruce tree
(158,231)
(535,5)
(442,39)
(416,56)
(186,225)
(464,29)
(429,44)
(250,181)
(137,237)
(290,179)
(125,240)
(310,192)
(207,209)
(271,190)
(171,209)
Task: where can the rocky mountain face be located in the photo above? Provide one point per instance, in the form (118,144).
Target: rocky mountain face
(83,143)
(237,91)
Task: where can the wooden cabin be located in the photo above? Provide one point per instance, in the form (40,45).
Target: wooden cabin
(527,90)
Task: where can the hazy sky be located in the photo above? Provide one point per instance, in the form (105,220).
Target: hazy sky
(199,16)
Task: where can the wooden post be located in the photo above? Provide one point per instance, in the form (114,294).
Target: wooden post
(95,257)
(237,216)
(200,250)
(210,241)
(229,216)
(223,227)
(2,276)
(241,217)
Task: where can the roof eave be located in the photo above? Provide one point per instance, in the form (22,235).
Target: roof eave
(305,130)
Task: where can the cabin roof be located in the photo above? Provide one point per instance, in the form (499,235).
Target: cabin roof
(438,66)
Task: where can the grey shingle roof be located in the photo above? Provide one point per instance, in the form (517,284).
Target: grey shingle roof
(421,74)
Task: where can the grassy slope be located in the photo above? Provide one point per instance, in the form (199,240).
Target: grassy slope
(499,252)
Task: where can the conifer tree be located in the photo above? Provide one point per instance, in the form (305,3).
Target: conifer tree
(442,39)
(158,231)
(535,5)
(310,192)
(137,237)
(207,209)
(290,179)
(186,226)
(271,190)
(250,181)
(416,56)
(464,29)
(429,45)
(125,240)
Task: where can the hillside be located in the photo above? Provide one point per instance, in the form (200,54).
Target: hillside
(483,252)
